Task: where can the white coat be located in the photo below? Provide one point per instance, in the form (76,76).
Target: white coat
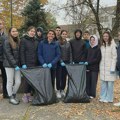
(108,62)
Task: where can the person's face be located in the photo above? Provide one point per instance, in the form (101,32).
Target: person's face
(64,35)
(14,32)
(78,34)
(39,33)
(119,35)
(1,25)
(58,31)
(92,41)
(86,36)
(106,37)
(31,32)
(50,36)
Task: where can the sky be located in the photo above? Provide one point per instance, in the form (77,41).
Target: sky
(61,18)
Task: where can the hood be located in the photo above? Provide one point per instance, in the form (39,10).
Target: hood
(96,40)
(40,29)
(78,30)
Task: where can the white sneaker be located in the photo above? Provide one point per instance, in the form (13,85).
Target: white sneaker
(117,104)
(58,94)
(62,93)
(105,101)
(91,97)
(100,100)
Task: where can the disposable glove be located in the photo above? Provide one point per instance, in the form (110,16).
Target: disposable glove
(24,66)
(44,65)
(17,68)
(49,65)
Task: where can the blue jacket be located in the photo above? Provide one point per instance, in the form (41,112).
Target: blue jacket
(48,52)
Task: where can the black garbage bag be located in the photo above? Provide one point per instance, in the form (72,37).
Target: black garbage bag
(76,91)
(40,80)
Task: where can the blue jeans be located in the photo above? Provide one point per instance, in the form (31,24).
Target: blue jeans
(106,92)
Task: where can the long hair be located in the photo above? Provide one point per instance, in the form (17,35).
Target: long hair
(109,40)
(11,39)
(61,40)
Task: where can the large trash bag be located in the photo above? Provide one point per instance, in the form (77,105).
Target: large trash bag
(76,91)
(40,80)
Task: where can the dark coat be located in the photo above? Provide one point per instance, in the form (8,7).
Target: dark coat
(48,52)
(11,56)
(28,51)
(3,37)
(78,50)
(93,58)
(66,53)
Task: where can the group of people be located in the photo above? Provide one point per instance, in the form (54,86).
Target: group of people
(54,51)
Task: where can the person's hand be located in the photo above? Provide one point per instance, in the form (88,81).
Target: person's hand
(112,72)
(44,65)
(62,64)
(81,63)
(24,66)
(17,68)
(86,63)
(49,65)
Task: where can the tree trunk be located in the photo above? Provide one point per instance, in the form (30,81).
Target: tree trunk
(116,26)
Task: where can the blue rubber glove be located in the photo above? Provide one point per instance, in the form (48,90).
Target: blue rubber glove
(86,63)
(17,68)
(62,64)
(44,65)
(112,72)
(81,63)
(24,66)
(49,65)
(73,63)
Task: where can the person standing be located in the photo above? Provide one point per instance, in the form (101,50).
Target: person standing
(39,34)
(78,47)
(107,67)
(93,58)
(86,37)
(11,63)
(49,54)
(66,58)
(3,37)
(28,58)
(58,33)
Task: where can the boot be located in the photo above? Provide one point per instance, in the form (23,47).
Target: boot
(13,101)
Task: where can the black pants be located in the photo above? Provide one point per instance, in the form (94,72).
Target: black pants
(53,75)
(27,87)
(4,79)
(91,83)
(61,76)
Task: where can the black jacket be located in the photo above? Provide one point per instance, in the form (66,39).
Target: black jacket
(93,58)
(78,50)
(3,37)
(66,53)
(28,51)
(11,56)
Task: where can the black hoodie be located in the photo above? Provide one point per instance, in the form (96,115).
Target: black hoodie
(78,48)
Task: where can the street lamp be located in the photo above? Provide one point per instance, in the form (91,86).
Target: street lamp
(11,12)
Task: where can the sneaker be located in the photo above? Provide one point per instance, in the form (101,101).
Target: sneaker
(105,101)
(25,99)
(91,97)
(13,101)
(14,95)
(117,104)
(62,93)
(101,100)
(58,94)
(29,98)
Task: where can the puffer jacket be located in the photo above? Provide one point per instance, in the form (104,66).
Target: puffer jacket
(66,53)
(108,62)
(3,37)
(11,56)
(28,51)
